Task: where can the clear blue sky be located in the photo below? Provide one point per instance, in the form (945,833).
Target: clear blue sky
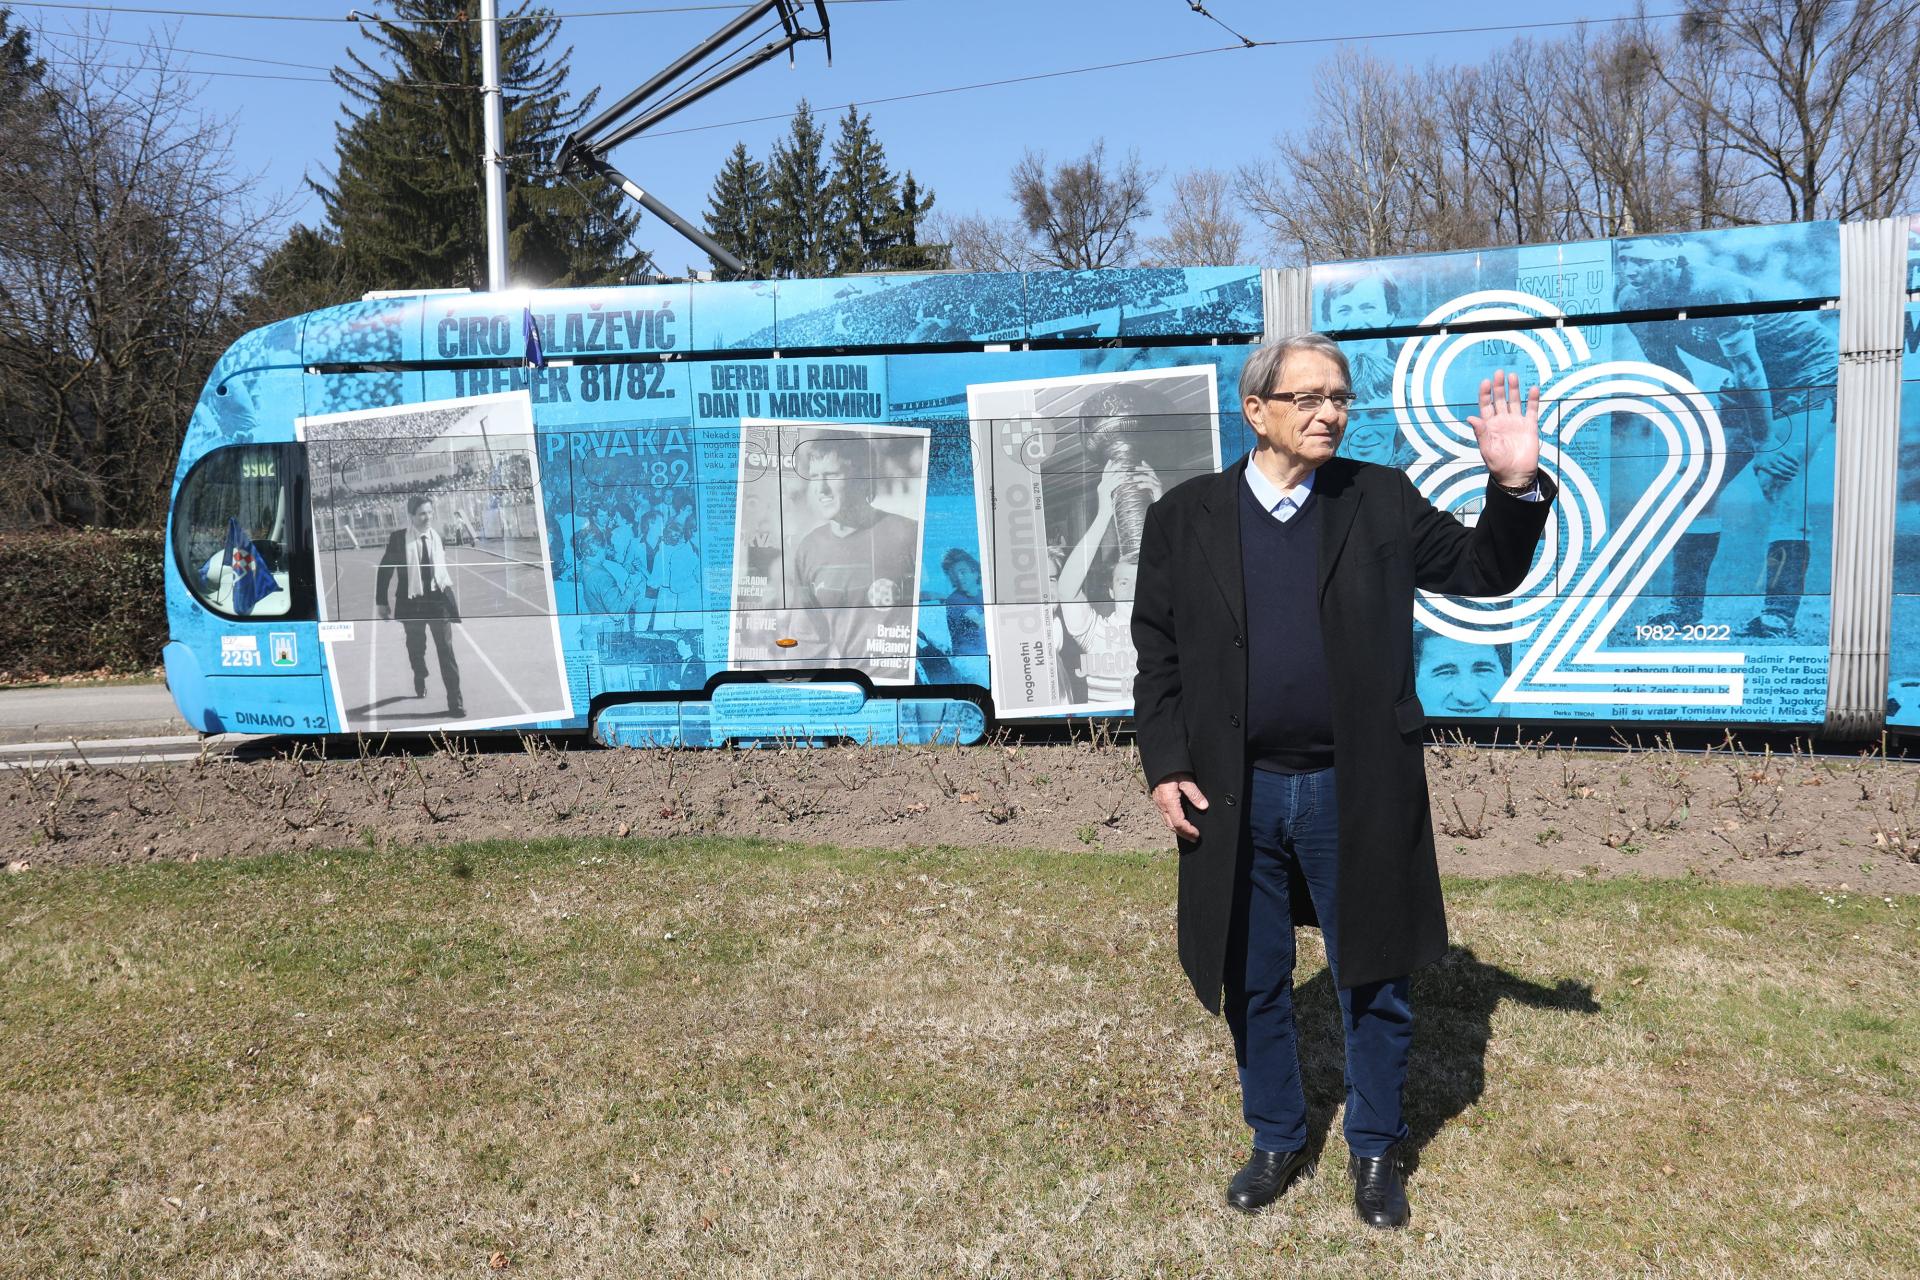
(1216,109)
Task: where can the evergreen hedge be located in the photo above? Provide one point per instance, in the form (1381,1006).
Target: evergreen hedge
(81,601)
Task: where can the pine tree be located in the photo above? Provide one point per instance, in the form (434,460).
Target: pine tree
(305,272)
(407,205)
(20,71)
(905,252)
(27,112)
(802,214)
(30,410)
(738,212)
(865,196)
(800,201)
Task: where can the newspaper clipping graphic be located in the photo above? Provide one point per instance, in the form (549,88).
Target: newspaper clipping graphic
(1068,468)
(827,548)
(435,587)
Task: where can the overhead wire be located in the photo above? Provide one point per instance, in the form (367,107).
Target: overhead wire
(168,13)
(1293,42)
(1245,41)
(195,71)
(685,8)
(1296,41)
(958,88)
(740,53)
(43,34)
(239,75)
(250,75)
(357,16)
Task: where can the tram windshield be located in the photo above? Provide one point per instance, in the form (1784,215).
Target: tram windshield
(233,530)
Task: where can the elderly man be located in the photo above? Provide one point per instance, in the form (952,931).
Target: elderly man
(1281,734)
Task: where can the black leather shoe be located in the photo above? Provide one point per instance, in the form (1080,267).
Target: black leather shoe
(1262,1179)
(1378,1197)
(419,686)
(456,712)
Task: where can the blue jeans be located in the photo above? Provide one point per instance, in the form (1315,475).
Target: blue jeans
(1295,832)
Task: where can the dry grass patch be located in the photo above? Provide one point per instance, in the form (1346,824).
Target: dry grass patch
(700,1058)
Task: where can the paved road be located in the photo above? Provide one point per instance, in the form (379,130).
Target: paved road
(103,724)
(88,711)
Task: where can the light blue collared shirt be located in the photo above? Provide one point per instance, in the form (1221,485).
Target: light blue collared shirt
(1281,504)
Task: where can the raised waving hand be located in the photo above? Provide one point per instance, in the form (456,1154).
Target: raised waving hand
(1508,429)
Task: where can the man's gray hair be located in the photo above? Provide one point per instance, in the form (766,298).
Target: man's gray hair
(1263,367)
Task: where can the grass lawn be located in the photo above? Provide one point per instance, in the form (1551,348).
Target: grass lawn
(617,1058)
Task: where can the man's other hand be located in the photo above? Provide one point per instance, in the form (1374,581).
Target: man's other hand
(1167,799)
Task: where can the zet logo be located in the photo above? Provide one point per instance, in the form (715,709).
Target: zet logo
(283,647)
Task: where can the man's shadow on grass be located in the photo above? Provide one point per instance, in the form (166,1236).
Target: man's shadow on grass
(1454,1001)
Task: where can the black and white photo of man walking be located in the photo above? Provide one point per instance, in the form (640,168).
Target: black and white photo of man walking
(414,565)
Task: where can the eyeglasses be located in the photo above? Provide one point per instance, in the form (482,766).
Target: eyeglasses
(1310,401)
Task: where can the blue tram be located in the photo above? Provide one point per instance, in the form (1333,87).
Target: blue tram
(895,508)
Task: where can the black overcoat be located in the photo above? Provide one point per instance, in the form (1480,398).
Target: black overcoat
(1379,540)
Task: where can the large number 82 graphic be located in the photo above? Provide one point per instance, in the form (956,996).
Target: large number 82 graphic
(1591,568)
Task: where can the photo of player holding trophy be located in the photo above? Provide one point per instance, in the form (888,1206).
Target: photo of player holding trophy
(1069,467)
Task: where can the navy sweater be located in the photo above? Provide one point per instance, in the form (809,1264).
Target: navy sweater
(1289,710)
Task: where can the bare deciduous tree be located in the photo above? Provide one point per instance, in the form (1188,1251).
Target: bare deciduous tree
(1821,98)
(1343,189)
(980,243)
(128,239)
(1618,154)
(1084,213)
(1444,139)
(1796,110)
(1202,227)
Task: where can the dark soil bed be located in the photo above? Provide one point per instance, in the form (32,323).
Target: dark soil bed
(1759,817)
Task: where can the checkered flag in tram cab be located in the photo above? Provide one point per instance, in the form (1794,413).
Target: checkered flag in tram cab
(251,581)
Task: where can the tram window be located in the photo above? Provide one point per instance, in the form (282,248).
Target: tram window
(233,530)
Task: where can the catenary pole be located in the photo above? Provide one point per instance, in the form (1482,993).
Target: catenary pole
(496,166)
